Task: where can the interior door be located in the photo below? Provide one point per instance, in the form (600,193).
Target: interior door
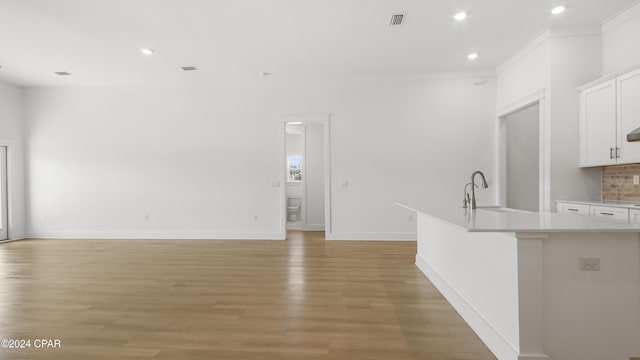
(4,208)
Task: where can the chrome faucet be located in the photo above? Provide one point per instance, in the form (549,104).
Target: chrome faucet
(466,201)
(473,186)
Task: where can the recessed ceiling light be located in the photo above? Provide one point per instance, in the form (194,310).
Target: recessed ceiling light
(146,51)
(62,73)
(558,10)
(460,16)
(189,68)
(472,56)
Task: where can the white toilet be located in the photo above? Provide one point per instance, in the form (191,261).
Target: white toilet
(293,208)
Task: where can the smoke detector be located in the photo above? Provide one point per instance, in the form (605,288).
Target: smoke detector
(397,19)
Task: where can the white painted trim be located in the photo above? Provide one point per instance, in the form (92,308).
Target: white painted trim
(303,200)
(541,38)
(621,17)
(12,180)
(540,98)
(522,103)
(373,236)
(545,155)
(609,77)
(160,235)
(524,51)
(325,120)
(583,31)
(497,343)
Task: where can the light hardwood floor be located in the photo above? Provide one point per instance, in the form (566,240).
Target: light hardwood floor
(303,298)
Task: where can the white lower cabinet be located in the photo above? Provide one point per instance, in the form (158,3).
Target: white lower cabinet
(610,212)
(581,209)
(634,216)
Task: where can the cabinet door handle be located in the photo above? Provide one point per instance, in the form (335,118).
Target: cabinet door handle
(617,153)
(610,153)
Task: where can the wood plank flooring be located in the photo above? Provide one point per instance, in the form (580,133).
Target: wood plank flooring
(303,298)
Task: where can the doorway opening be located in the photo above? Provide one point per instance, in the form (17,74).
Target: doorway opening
(523,150)
(523,159)
(4,205)
(306,197)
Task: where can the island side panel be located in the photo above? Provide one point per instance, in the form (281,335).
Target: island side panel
(592,315)
(478,274)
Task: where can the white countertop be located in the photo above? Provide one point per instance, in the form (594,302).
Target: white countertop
(496,219)
(620,204)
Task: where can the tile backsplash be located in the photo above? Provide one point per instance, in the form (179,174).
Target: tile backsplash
(617,183)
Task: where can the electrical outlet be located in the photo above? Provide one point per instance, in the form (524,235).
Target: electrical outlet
(589,264)
(636,179)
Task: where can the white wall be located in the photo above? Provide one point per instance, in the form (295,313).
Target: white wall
(558,61)
(201,161)
(524,73)
(620,45)
(523,154)
(12,136)
(478,274)
(575,61)
(314,177)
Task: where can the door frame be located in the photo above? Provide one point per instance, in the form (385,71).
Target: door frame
(324,120)
(544,161)
(10,145)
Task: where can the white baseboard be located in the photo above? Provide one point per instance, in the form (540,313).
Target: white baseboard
(160,235)
(500,347)
(9,240)
(17,236)
(210,236)
(372,236)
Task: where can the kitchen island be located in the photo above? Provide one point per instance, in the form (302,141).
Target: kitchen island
(536,285)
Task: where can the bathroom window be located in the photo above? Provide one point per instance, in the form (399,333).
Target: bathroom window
(294,166)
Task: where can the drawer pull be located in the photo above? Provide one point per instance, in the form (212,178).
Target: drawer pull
(604,213)
(573,209)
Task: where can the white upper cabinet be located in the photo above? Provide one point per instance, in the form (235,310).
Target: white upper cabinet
(609,110)
(628,116)
(598,125)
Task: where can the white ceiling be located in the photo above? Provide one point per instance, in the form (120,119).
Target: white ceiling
(99,40)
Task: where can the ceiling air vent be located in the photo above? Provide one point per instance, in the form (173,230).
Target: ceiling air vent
(397,19)
(189,68)
(62,73)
